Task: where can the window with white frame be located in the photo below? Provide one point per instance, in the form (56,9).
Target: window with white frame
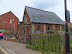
(10,20)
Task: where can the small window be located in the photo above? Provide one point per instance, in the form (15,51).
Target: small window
(48,28)
(38,28)
(23,31)
(13,19)
(10,20)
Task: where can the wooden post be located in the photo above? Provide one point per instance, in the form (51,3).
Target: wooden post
(43,44)
(59,46)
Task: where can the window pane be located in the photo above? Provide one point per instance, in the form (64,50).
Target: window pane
(23,31)
(48,28)
(10,21)
(38,28)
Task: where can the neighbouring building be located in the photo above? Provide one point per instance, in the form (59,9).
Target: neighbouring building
(39,21)
(8,22)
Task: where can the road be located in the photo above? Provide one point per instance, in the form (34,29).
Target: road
(1,52)
(17,48)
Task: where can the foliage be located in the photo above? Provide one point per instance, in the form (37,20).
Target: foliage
(71,44)
(43,51)
(26,42)
(16,37)
(71,29)
(47,42)
(36,45)
(63,29)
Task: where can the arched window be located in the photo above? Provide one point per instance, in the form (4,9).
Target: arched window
(48,27)
(38,29)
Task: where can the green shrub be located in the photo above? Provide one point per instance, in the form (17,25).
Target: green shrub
(63,29)
(26,42)
(16,37)
(35,47)
(28,46)
(71,29)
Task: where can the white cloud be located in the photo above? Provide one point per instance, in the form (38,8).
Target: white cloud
(17,6)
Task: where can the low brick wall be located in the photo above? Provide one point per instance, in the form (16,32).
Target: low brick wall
(8,39)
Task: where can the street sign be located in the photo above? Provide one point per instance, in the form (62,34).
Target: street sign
(2,30)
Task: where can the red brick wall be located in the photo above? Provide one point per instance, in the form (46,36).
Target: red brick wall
(50,26)
(42,26)
(70,24)
(27,30)
(57,26)
(15,22)
(7,16)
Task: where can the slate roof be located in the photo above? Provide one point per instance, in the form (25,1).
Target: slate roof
(41,16)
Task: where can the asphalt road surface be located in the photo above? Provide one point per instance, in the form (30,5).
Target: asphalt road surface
(1,52)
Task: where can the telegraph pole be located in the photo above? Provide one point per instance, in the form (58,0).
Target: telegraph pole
(67,32)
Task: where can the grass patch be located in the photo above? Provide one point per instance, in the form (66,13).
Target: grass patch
(43,51)
(37,48)
(71,45)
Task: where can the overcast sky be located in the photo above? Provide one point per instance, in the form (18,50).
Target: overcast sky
(18,6)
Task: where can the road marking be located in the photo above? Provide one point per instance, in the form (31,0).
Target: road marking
(7,49)
(3,50)
(10,51)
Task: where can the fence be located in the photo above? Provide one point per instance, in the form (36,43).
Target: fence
(51,42)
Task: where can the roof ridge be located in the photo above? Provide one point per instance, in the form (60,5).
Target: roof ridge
(9,12)
(39,9)
(5,13)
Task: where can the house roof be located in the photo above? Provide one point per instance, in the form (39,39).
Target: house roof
(41,16)
(8,15)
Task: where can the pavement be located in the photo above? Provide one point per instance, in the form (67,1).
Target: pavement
(15,48)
